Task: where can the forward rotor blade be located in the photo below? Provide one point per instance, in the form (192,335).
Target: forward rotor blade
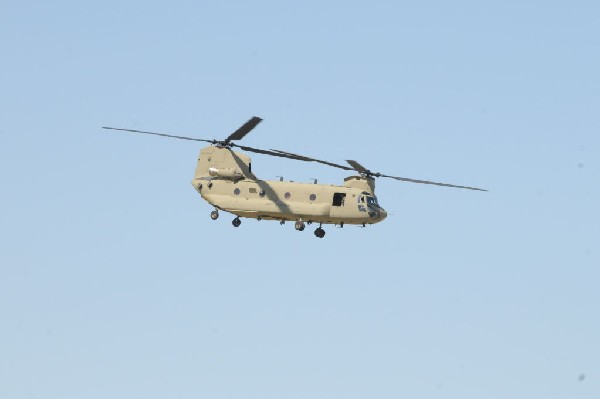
(308,159)
(159,134)
(361,169)
(358,167)
(429,182)
(244,129)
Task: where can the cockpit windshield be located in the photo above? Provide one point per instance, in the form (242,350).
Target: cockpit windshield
(372,202)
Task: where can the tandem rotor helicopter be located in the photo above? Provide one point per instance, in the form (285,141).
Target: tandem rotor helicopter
(224,179)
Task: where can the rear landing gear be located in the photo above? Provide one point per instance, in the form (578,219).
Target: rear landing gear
(214,215)
(319,232)
(299,225)
(236,222)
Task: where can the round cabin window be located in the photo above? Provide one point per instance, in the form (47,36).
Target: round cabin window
(262,193)
(287,195)
(236,191)
(312,197)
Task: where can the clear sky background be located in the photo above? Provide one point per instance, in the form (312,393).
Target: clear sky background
(115,283)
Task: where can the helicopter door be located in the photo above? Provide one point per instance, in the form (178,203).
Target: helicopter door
(337,204)
(338,199)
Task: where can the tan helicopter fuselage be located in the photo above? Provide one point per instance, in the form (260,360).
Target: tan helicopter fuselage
(224,179)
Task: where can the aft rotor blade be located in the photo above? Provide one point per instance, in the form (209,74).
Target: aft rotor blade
(265,152)
(159,134)
(308,159)
(429,182)
(244,129)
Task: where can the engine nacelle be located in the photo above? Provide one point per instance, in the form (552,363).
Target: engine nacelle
(226,173)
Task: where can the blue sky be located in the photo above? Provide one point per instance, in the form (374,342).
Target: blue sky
(114,282)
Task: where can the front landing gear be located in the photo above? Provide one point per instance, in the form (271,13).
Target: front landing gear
(236,222)
(319,232)
(299,225)
(214,215)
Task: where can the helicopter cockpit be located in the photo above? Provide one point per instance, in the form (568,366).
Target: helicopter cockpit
(369,200)
(372,202)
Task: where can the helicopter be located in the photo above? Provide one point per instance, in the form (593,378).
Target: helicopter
(225,180)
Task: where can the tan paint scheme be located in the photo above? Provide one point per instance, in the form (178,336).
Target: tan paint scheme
(224,179)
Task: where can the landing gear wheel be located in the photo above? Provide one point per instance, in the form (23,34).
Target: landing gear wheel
(319,232)
(214,215)
(236,222)
(299,225)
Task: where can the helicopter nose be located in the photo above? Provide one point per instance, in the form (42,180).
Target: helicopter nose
(382,214)
(378,215)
